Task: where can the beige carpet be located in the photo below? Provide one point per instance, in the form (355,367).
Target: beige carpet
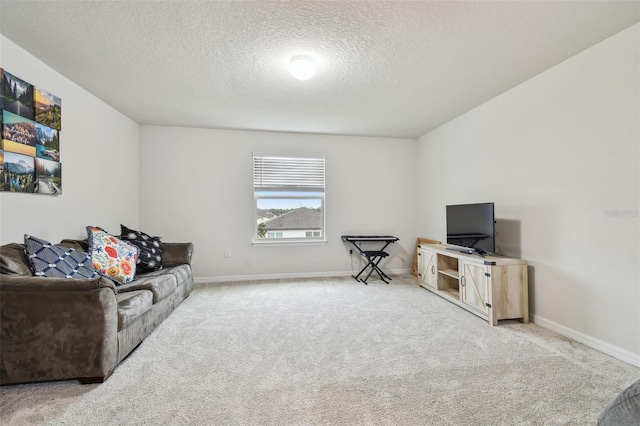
(334,352)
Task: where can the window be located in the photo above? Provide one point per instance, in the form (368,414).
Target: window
(289,199)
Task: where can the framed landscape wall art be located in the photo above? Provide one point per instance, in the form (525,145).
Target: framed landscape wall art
(31,121)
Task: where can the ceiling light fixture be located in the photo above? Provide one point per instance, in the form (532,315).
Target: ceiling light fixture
(302,67)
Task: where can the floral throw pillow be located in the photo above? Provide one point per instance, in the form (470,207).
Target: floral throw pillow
(150,257)
(112,257)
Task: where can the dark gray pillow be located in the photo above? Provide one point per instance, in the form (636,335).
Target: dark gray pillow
(624,410)
(150,257)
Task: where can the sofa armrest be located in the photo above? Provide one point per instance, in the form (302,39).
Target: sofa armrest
(54,329)
(174,254)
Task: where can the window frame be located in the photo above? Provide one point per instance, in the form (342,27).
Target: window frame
(290,192)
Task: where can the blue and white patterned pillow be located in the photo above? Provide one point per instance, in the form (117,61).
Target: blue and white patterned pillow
(48,260)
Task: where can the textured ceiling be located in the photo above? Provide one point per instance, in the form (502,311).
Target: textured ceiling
(390,68)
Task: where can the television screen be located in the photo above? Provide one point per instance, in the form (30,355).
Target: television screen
(472,226)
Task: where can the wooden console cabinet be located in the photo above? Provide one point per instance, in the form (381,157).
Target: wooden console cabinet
(491,287)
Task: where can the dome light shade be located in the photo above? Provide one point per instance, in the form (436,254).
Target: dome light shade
(302,67)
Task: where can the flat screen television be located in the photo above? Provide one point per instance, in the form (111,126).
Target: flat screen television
(472,226)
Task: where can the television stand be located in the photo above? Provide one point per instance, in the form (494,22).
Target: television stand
(493,288)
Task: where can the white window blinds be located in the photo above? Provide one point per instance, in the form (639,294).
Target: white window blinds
(288,173)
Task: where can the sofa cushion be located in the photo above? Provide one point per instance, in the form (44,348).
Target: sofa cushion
(131,305)
(48,260)
(150,247)
(82,245)
(13,260)
(160,285)
(174,254)
(112,257)
(181,273)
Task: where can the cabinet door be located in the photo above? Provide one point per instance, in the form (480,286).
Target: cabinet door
(427,268)
(474,286)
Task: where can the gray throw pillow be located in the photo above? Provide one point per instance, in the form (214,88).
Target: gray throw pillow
(624,409)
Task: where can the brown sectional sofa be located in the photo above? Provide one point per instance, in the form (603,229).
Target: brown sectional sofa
(58,328)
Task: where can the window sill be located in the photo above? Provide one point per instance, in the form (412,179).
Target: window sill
(274,242)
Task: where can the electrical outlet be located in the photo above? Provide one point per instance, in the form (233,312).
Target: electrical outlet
(227,252)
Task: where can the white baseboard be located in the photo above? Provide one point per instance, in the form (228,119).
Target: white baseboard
(592,342)
(292,275)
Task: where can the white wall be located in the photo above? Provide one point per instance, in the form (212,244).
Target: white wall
(557,155)
(196,185)
(99,156)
